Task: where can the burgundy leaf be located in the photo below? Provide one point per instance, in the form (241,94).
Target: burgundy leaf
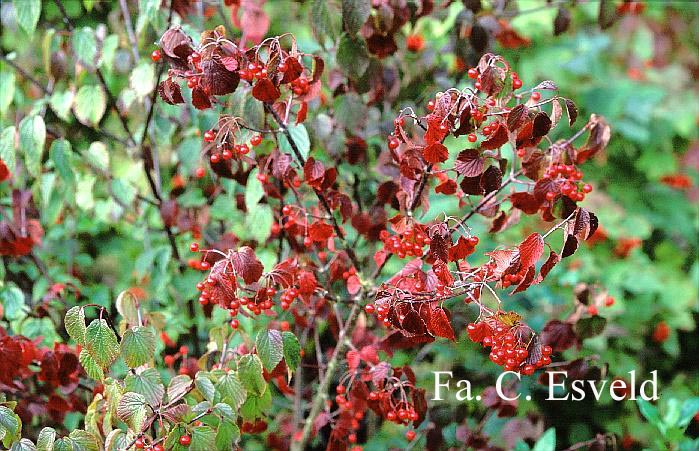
(265,91)
(246,264)
(435,153)
(439,324)
(469,163)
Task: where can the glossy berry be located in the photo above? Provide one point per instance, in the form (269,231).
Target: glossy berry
(536,96)
(472,137)
(209,136)
(256,140)
(415,43)
(609,301)
(473,73)
(194,247)
(200,172)
(516,83)
(370,309)
(155,56)
(158,447)
(410,435)
(393,143)
(139,444)
(592,310)
(185,440)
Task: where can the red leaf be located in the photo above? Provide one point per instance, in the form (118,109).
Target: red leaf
(469,163)
(380,257)
(307,283)
(369,354)
(320,231)
(435,153)
(170,92)
(265,91)
(199,99)
(496,140)
(530,250)
(353,285)
(313,172)
(439,324)
(548,265)
(246,264)
(353,359)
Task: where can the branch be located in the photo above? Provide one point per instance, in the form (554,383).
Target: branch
(323,201)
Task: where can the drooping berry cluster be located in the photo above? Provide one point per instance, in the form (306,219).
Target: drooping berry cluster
(226,148)
(510,346)
(409,243)
(301,86)
(567,181)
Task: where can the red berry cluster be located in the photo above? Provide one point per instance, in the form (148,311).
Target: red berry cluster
(346,405)
(506,349)
(226,150)
(300,86)
(409,243)
(141,444)
(401,411)
(567,178)
(474,74)
(254,70)
(193,76)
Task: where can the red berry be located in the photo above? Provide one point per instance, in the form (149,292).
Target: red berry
(391,416)
(473,241)
(430,105)
(194,247)
(227,154)
(209,136)
(592,310)
(256,140)
(410,435)
(286,210)
(155,56)
(370,309)
(472,137)
(609,301)
(516,83)
(158,447)
(587,188)
(393,143)
(234,323)
(215,158)
(200,172)
(341,389)
(415,42)
(536,96)
(185,440)
(139,443)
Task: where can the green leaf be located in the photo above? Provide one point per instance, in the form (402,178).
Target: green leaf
(259,222)
(690,407)
(101,342)
(270,348)
(299,135)
(92,368)
(547,441)
(12,300)
(227,435)
(256,406)
(352,55)
(650,413)
(98,155)
(147,13)
(83,440)
(142,79)
(63,444)
(322,24)
(60,153)
(90,105)
(28,12)
(75,324)
(109,47)
(85,45)
(203,439)
(45,440)
(231,390)
(178,386)
(7,90)
(205,386)
(250,374)
(7,147)
(590,327)
(10,422)
(32,136)
(127,306)
(138,345)
(354,14)
(352,110)
(23,445)
(132,410)
(61,102)
(148,384)
(292,350)
(253,190)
